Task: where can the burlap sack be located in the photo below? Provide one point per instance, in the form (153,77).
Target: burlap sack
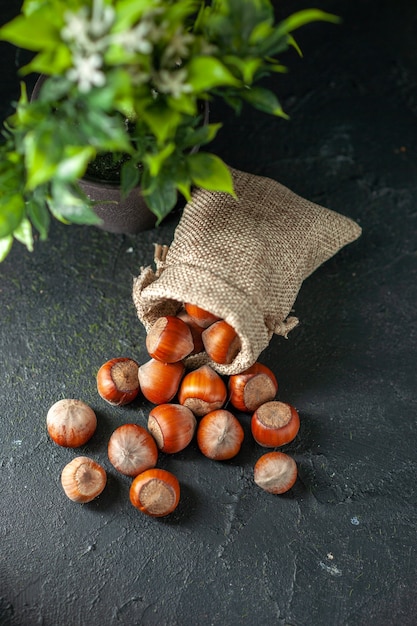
(244,260)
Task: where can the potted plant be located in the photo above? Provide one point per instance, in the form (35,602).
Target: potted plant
(123,82)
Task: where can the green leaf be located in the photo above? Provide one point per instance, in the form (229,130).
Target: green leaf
(39,215)
(156,161)
(31,6)
(300,18)
(246,67)
(104,132)
(128,13)
(185,189)
(74,163)
(264,100)
(234,101)
(272,65)
(280,38)
(12,211)
(69,204)
(162,121)
(260,32)
(204,73)
(161,198)
(23,233)
(50,61)
(21,30)
(292,42)
(184,103)
(11,175)
(210,172)
(41,162)
(231,22)
(53,88)
(183,180)
(5,246)
(129,177)
(200,136)
(116,94)
(178,12)
(276,43)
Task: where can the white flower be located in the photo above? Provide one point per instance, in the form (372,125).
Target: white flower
(139,77)
(173,82)
(86,72)
(137,39)
(76,27)
(85,32)
(207,48)
(101,20)
(178,46)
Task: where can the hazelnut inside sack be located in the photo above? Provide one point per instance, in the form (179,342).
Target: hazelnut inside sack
(243,260)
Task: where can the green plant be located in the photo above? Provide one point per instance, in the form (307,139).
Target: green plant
(126,77)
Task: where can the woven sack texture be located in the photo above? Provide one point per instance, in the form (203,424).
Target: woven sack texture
(243,259)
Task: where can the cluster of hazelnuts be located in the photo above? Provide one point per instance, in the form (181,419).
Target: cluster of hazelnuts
(201,394)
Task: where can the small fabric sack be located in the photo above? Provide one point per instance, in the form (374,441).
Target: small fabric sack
(243,259)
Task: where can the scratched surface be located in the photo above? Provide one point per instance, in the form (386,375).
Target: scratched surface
(340,548)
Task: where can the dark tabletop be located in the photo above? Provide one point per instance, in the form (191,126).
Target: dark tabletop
(339,548)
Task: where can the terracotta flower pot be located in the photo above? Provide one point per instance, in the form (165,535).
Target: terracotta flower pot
(123,215)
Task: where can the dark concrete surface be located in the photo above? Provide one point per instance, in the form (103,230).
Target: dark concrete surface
(340,548)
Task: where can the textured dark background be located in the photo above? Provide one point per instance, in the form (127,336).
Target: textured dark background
(340,547)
